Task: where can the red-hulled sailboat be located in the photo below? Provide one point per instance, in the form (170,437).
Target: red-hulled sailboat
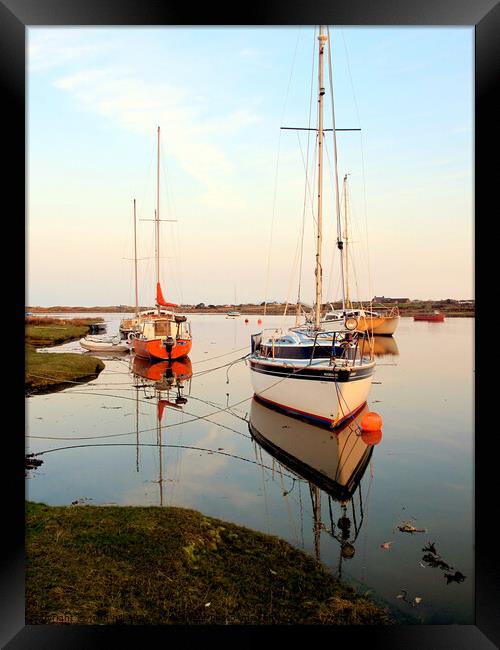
(163,334)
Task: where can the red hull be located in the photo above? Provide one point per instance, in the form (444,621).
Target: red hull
(155,370)
(435,318)
(154,349)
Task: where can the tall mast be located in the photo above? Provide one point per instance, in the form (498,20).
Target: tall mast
(346,240)
(322,41)
(157,216)
(340,244)
(135,266)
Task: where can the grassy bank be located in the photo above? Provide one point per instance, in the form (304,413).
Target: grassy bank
(110,564)
(45,372)
(46,331)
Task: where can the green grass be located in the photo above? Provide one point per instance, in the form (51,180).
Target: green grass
(49,335)
(45,371)
(150,565)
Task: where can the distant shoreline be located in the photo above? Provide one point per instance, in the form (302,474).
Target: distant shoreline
(450,310)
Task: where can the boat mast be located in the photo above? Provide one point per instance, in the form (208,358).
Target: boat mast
(157,217)
(346,240)
(322,41)
(135,266)
(340,243)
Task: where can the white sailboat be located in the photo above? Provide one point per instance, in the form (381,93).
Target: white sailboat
(381,322)
(234,313)
(314,371)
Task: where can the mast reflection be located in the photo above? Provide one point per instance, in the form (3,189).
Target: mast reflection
(168,380)
(332,463)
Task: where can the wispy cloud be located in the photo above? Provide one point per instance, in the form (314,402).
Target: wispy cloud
(56,48)
(193,136)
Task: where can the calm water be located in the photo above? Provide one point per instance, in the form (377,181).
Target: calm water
(103,437)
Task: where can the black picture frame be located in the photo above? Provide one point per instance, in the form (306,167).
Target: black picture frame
(15,17)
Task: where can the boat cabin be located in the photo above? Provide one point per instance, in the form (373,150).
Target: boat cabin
(159,328)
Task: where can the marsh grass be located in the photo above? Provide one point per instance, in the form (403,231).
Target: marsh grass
(51,320)
(53,371)
(149,565)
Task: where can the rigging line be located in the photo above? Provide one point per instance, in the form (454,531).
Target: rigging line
(131,290)
(334,248)
(276,177)
(176,240)
(289,291)
(162,446)
(220,355)
(307,189)
(129,433)
(167,426)
(291,522)
(340,397)
(61,379)
(147,401)
(307,193)
(141,203)
(370,288)
(365,540)
(259,454)
(226,365)
(337,198)
(343,458)
(301,509)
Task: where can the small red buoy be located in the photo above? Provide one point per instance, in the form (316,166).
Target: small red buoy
(259,322)
(371,421)
(371,437)
(246,320)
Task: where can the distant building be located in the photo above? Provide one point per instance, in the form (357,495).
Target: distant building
(391,300)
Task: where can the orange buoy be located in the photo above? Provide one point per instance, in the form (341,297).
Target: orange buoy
(371,421)
(371,437)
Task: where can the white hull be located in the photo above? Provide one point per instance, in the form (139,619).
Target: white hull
(104,346)
(329,402)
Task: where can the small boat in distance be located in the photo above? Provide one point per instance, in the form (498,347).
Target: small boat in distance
(234,313)
(434,317)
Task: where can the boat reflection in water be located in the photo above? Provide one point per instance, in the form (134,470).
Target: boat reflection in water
(164,375)
(167,380)
(333,462)
(384,345)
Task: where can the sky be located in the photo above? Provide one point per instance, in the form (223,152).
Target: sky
(238,192)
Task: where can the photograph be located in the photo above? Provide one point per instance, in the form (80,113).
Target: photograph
(252,249)
(249,325)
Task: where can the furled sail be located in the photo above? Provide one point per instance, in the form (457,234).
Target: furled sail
(160,300)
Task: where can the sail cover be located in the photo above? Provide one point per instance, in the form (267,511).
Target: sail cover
(160,300)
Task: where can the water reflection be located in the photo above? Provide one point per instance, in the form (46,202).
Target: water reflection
(333,464)
(167,380)
(385,345)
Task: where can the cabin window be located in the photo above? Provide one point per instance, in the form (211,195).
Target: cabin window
(162,328)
